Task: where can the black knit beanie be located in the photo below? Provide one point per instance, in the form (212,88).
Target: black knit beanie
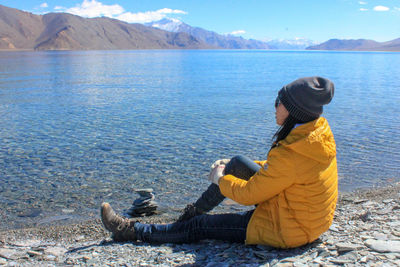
(305,97)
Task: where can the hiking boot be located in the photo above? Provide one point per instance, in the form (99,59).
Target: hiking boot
(189,212)
(121,228)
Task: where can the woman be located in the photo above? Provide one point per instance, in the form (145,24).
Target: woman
(294,190)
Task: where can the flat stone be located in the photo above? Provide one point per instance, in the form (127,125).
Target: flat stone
(284,264)
(8,253)
(364,237)
(56,251)
(13,254)
(358,201)
(145,192)
(229,201)
(369,204)
(142,201)
(264,255)
(341,261)
(290,259)
(384,211)
(324,254)
(334,228)
(380,236)
(352,255)
(67,211)
(383,245)
(394,224)
(396,233)
(363,259)
(345,247)
(38,249)
(50,257)
(27,243)
(78,238)
(319,260)
(391,256)
(34,253)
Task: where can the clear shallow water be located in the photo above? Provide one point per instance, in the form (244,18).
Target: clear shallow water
(79,128)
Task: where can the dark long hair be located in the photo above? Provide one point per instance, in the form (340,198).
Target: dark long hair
(284,130)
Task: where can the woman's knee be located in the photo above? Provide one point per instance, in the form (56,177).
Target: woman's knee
(234,163)
(238,158)
(241,167)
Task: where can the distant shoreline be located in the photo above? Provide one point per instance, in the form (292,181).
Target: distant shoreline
(200,49)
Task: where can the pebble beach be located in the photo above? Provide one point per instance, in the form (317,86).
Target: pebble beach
(366,231)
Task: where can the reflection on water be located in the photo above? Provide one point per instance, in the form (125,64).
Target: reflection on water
(79,128)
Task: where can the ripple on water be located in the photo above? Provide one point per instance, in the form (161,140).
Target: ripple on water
(86,139)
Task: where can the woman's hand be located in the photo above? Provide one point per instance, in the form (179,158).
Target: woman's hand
(220,162)
(216,174)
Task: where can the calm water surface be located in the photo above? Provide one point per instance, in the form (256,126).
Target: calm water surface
(79,128)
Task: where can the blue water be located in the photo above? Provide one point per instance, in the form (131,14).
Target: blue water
(79,128)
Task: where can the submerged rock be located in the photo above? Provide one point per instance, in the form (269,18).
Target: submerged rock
(30,213)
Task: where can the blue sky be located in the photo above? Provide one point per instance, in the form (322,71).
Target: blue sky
(317,20)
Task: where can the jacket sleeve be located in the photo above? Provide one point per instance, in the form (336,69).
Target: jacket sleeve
(269,181)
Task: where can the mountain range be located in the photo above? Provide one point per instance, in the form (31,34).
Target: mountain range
(20,30)
(358,45)
(62,31)
(228,41)
(209,37)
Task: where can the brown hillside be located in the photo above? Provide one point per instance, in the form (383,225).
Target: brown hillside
(61,31)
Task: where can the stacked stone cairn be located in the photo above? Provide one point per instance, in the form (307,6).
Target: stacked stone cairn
(144,205)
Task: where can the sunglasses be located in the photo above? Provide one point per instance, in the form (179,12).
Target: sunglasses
(277,102)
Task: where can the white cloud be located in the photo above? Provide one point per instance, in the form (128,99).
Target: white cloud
(149,16)
(363,9)
(397,8)
(92,8)
(44,5)
(362,3)
(238,32)
(381,8)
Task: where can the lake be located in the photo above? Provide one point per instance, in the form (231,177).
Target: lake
(82,127)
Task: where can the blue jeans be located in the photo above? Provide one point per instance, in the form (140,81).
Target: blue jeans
(228,227)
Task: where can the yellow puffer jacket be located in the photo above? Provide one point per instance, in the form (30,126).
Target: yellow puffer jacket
(296,188)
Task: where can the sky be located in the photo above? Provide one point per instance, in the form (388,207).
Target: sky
(317,20)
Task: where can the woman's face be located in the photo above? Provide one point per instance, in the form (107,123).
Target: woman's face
(281,114)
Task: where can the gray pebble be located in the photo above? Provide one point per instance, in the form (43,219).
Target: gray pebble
(383,246)
(345,247)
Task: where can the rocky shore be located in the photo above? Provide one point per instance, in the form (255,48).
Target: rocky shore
(366,231)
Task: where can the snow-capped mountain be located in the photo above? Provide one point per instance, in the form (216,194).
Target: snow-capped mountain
(291,44)
(230,41)
(171,25)
(209,37)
